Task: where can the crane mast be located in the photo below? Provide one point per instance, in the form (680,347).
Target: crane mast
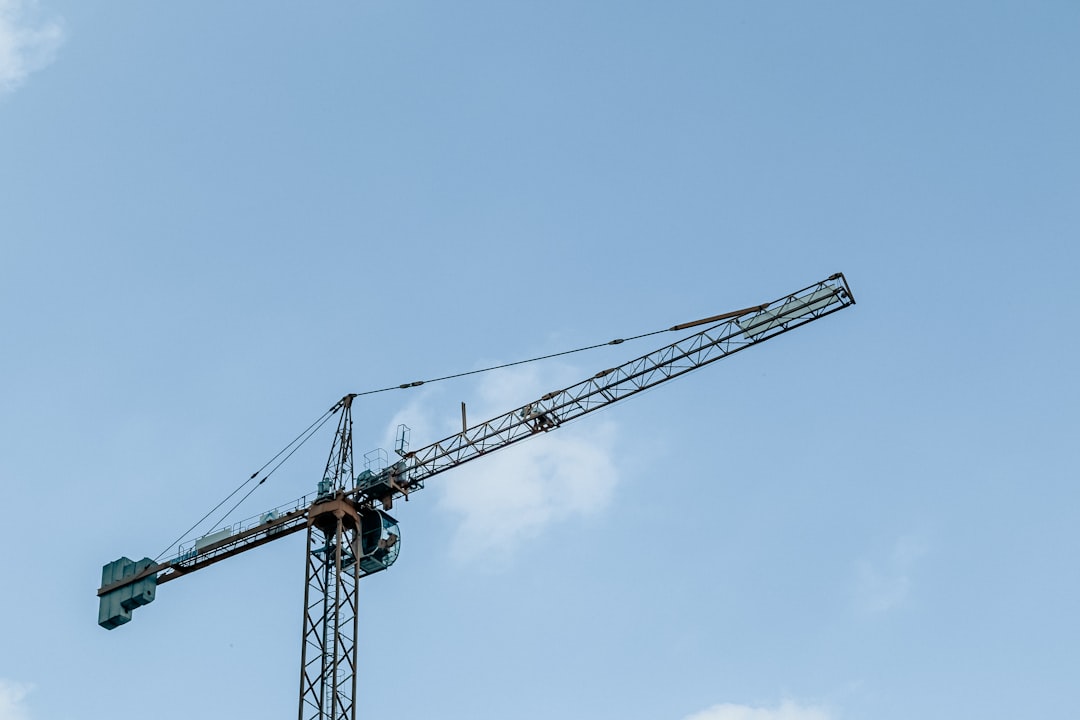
(350,536)
(331,586)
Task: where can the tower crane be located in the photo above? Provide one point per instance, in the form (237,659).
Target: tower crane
(350,533)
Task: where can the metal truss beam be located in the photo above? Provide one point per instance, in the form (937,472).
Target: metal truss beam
(737,331)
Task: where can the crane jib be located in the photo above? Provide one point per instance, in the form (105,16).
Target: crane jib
(730,333)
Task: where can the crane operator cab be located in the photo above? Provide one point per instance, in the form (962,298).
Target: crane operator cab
(378,543)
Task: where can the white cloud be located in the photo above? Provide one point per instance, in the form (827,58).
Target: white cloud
(27,43)
(787,710)
(511,496)
(505,499)
(12,696)
(886,585)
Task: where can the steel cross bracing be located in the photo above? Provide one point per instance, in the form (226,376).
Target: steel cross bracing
(328,655)
(339,471)
(738,331)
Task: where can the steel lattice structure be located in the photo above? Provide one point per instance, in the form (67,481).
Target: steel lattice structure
(348,537)
(331,586)
(732,332)
(328,654)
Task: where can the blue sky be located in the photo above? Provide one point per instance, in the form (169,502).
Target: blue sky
(217,220)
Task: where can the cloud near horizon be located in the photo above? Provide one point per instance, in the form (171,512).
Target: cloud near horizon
(787,710)
(27,42)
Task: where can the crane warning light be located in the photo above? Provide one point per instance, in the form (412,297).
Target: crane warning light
(115,606)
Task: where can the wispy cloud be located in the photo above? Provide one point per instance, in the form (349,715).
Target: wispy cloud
(28,42)
(513,495)
(786,710)
(12,700)
(886,584)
